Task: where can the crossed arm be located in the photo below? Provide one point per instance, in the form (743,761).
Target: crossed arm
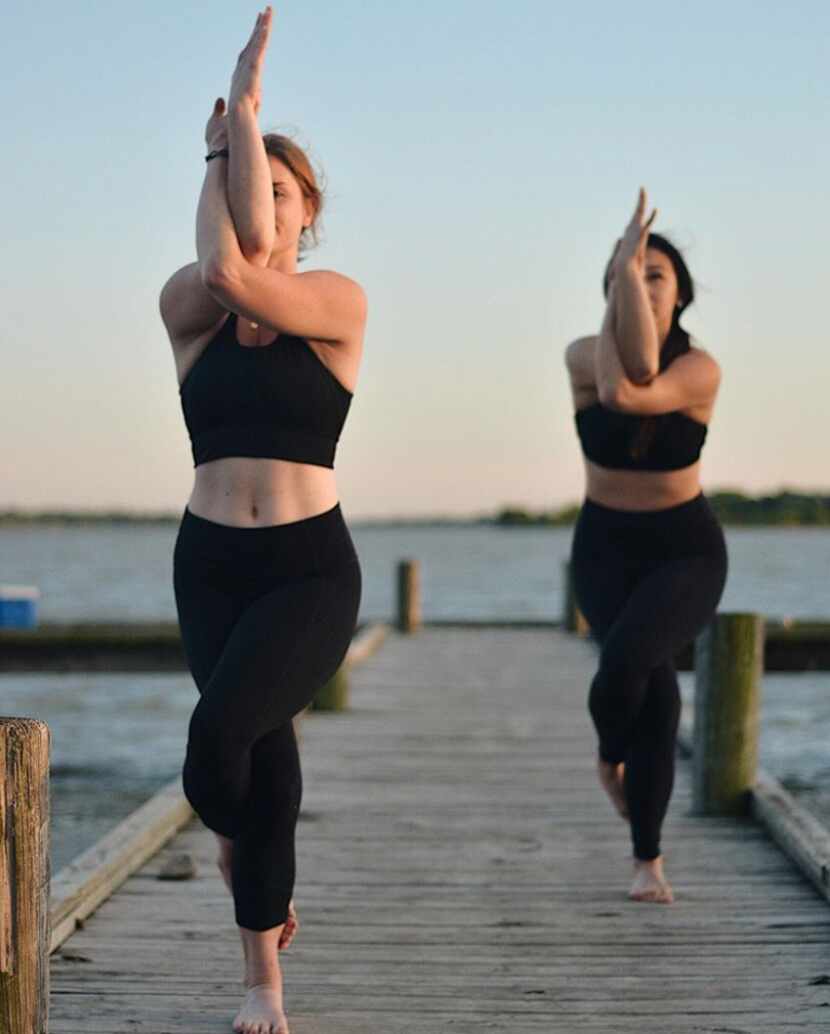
(235,234)
(595,365)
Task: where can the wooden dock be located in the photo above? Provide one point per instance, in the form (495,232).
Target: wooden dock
(461,871)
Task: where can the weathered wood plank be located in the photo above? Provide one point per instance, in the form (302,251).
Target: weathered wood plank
(460,870)
(81,886)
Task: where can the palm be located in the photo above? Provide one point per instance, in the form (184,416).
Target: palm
(631,248)
(246,81)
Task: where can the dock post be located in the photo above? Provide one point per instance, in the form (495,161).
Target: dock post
(409,596)
(334,695)
(573,619)
(729,657)
(24,876)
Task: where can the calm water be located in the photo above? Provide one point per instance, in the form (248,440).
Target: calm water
(124,573)
(117,738)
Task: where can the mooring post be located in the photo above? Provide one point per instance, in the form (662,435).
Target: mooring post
(729,658)
(409,596)
(334,695)
(24,876)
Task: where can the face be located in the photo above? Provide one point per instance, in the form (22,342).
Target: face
(292,211)
(661,287)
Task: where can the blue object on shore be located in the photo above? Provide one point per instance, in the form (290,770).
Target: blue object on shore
(18,606)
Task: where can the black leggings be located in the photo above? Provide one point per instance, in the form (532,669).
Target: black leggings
(266,616)
(648,582)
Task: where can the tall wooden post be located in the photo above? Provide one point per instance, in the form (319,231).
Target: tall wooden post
(573,619)
(409,596)
(334,696)
(729,658)
(24,876)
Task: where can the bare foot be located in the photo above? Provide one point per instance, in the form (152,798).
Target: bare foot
(649,883)
(292,925)
(611,777)
(261,1011)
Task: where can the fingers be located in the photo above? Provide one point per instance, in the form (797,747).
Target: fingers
(263,31)
(258,39)
(646,228)
(639,211)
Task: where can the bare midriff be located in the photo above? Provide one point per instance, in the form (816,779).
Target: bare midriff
(254,493)
(641,489)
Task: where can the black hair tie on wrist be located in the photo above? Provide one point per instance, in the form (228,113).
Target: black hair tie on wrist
(223,151)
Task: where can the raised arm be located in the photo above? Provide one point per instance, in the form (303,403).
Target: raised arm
(188,309)
(250,186)
(691,380)
(635,328)
(319,304)
(609,372)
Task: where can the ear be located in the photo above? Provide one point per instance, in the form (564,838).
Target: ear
(308,213)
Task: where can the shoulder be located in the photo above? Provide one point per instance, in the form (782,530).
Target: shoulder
(702,361)
(329,280)
(580,348)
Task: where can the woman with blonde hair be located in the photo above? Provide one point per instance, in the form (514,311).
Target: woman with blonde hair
(266,577)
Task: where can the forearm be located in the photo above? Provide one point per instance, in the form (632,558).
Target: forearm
(250,189)
(635,330)
(217,247)
(608,368)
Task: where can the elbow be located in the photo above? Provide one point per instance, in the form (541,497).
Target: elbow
(218,277)
(609,393)
(643,373)
(256,253)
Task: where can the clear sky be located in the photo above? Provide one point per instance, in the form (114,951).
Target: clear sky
(481,158)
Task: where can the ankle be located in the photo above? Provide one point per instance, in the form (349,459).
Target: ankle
(263,978)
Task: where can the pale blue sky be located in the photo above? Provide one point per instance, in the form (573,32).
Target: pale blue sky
(481,158)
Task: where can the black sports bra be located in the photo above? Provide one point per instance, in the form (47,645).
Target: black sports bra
(278,401)
(621,441)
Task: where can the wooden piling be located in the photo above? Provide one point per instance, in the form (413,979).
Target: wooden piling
(334,695)
(728,667)
(24,876)
(409,596)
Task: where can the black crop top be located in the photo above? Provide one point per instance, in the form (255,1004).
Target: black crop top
(278,401)
(610,439)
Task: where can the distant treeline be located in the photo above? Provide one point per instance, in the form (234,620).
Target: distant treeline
(84,517)
(732,507)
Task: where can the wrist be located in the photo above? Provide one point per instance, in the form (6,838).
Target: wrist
(242,105)
(629,267)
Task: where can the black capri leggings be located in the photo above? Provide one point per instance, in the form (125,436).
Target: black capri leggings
(648,582)
(266,616)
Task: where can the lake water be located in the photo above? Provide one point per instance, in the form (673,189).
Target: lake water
(117,737)
(124,572)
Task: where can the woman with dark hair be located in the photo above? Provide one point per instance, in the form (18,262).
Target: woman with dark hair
(648,555)
(266,578)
